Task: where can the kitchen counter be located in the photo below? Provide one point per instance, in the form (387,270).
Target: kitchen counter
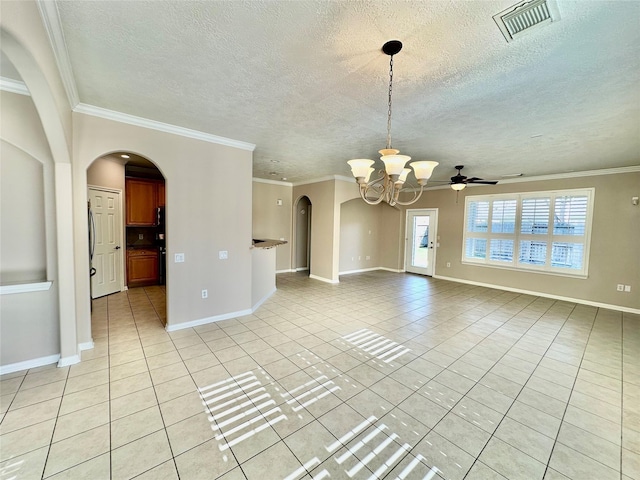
(267,243)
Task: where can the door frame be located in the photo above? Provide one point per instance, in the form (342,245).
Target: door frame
(123,249)
(434,214)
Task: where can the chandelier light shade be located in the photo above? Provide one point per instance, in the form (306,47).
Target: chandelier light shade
(391,182)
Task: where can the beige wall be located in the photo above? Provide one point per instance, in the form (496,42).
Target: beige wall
(30,327)
(391,235)
(322,197)
(273,221)
(359,235)
(23,256)
(107,172)
(205,214)
(614,253)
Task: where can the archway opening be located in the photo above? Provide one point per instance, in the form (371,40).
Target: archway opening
(302,250)
(127,230)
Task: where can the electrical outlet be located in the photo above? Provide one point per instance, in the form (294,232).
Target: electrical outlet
(627,288)
(179,258)
(223,255)
(448,264)
(140,236)
(620,288)
(205,294)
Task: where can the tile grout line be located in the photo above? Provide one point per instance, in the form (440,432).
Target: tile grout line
(477,457)
(621,390)
(44,466)
(109,386)
(164,425)
(341,402)
(555,442)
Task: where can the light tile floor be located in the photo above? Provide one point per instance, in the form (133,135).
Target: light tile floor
(382,376)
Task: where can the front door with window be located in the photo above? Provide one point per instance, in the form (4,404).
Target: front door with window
(421,241)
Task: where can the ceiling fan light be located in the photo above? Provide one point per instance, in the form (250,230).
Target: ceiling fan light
(423,169)
(361,167)
(458,186)
(394,164)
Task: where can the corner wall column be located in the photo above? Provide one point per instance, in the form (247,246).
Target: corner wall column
(66,274)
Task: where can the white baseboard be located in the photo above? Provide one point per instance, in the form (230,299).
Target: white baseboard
(322,279)
(286,270)
(204,321)
(361,270)
(348,272)
(301,269)
(27,364)
(70,360)
(541,294)
(262,300)
(86,345)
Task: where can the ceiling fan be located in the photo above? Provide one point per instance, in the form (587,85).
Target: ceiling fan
(459,181)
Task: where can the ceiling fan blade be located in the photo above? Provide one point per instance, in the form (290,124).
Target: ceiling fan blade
(485,182)
(473,179)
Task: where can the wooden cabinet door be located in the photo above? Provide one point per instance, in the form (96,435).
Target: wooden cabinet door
(161,195)
(142,269)
(142,198)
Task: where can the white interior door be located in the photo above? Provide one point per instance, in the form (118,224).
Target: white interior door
(421,242)
(105,236)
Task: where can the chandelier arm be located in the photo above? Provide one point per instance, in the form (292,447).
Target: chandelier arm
(364,189)
(416,197)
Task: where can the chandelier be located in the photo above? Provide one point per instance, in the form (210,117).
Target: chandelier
(393,179)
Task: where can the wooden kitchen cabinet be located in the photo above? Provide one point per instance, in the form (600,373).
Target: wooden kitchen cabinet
(142,201)
(161,194)
(142,267)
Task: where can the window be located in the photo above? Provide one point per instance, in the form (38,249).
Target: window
(538,231)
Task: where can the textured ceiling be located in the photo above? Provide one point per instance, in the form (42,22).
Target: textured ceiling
(307,83)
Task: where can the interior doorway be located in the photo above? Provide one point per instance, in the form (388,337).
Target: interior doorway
(421,241)
(302,251)
(127,233)
(105,241)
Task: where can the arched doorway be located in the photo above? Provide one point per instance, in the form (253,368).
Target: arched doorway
(302,250)
(60,188)
(127,233)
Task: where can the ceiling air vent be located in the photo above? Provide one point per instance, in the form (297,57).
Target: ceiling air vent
(525,17)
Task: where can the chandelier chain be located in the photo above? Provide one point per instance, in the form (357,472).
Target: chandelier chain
(389,104)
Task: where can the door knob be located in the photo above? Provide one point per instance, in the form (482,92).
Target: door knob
(117,247)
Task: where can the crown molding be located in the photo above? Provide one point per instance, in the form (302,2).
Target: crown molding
(160,126)
(554,176)
(14,86)
(51,20)
(339,178)
(272,182)
(586,173)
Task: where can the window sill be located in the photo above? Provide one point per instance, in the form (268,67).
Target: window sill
(24,287)
(580,276)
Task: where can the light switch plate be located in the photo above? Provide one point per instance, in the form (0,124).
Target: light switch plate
(223,255)
(179,258)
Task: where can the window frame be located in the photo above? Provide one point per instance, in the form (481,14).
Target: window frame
(549,238)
